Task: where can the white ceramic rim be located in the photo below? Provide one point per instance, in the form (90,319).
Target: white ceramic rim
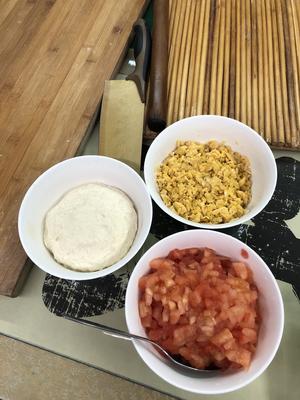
(140,350)
(78,275)
(156,197)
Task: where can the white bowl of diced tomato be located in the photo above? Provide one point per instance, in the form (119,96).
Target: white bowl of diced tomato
(209,300)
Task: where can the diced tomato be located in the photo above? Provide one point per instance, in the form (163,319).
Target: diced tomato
(192,276)
(144,309)
(196,360)
(222,337)
(174,316)
(226,263)
(157,312)
(236,313)
(147,321)
(160,263)
(181,280)
(248,336)
(175,255)
(156,334)
(230,345)
(249,320)
(244,253)
(168,345)
(195,298)
(183,320)
(201,306)
(183,334)
(240,270)
(193,251)
(194,265)
(148,281)
(241,357)
(176,293)
(254,295)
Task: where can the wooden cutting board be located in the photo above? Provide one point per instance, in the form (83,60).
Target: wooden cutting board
(55,57)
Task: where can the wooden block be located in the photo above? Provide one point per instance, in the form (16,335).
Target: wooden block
(121,123)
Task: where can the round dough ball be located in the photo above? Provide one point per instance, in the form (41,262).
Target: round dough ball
(91,227)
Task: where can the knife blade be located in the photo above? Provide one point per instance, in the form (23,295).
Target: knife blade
(122,112)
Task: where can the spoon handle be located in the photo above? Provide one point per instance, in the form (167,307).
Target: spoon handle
(130,336)
(109,330)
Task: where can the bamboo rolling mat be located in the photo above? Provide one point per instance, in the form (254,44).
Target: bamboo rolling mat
(237,58)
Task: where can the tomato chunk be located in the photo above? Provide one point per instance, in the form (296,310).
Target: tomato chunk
(201,306)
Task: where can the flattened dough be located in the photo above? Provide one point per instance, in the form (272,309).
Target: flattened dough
(91,227)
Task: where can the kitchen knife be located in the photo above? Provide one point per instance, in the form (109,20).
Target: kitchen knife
(158,102)
(122,113)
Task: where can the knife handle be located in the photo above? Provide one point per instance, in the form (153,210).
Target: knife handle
(158,102)
(141,48)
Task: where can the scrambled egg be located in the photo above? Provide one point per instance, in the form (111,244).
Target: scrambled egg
(205,182)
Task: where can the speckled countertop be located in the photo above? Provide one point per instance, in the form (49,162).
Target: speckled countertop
(26,318)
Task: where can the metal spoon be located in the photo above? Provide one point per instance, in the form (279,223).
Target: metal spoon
(130,336)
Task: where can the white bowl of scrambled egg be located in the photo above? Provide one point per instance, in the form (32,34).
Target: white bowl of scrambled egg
(85,217)
(210,171)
